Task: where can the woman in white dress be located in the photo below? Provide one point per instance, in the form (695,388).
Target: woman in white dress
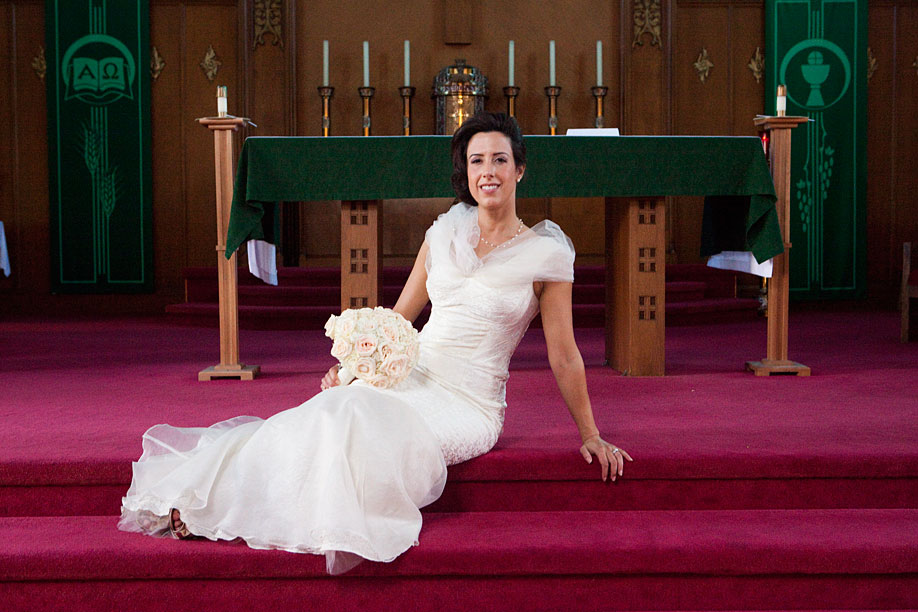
(346,473)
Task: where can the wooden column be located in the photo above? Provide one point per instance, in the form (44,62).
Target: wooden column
(778,130)
(636,285)
(229,366)
(361,254)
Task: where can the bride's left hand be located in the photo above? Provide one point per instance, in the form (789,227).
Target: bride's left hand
(611,457)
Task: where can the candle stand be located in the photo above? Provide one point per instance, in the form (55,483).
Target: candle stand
(511,93)
(599,93)
(326,93)
(552,92)
(407,93)
(366,93)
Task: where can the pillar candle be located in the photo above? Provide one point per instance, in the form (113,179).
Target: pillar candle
(510,65)
(781,106)
(551,63)
(598,63)
(407,64)
(221,101)
(324,63)
(366,63)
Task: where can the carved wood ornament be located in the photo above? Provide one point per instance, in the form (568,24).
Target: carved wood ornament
(647,20)
(39,65)
(703,64)
(210,64)
(157,63)
(267,20)
(757,65)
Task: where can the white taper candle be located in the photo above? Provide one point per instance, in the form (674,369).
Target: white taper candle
(510,65)
(598,63)
(407,64)
(366,63)
(324,63)
(551,63)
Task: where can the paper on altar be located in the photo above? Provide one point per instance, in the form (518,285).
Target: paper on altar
(592,132)
(740,261)
(262,260)
(4,254)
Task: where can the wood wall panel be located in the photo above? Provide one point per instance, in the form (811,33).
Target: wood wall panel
(25,195)
(724,104)
(892,182)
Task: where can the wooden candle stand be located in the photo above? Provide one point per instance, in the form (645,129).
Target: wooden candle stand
(229,366)
(779,158)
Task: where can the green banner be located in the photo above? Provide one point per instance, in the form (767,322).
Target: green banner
(99,146)
(818,48)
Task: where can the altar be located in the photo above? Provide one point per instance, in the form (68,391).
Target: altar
(633,173)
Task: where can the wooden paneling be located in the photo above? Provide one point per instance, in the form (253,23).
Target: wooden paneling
(723,104)
(892,183)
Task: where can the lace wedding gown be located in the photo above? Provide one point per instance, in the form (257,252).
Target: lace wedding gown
(345,473)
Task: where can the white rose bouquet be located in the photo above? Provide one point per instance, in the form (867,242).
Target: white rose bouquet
(376,345)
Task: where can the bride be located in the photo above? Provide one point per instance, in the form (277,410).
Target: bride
(345,473)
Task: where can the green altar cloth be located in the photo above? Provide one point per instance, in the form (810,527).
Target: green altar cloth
(274,169)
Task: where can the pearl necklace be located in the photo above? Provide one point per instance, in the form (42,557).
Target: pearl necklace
(506,243)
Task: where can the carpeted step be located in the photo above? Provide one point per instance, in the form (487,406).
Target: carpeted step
(749,560)
(504,480)
(711,292)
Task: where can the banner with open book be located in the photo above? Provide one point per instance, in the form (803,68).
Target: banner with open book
(98,84)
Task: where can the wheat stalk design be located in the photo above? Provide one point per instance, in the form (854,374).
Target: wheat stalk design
(109,190)
(91,149)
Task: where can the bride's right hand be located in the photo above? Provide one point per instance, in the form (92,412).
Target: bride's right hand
(331,378)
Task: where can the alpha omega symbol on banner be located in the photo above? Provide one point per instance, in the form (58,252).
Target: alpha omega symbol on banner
(99,144)
(818,49)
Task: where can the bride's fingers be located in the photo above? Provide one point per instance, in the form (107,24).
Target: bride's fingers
(586,454)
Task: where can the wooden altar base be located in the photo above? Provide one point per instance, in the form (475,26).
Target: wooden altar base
(769,367)
(243,372)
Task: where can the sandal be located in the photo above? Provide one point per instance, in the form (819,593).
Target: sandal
(177,529)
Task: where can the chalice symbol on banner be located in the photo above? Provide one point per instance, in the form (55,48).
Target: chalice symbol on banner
(815,73)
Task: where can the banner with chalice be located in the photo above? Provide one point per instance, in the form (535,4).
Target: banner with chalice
(98,89)
(818,49)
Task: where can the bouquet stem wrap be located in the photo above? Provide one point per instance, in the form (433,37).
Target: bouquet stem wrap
(376,345)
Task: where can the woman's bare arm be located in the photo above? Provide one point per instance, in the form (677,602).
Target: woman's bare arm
(567,366)
(413,297)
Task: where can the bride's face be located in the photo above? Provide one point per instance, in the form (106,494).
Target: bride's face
(492,172)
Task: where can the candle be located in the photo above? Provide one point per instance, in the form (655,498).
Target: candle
(781,106)
(221,101)
(510,65)
(407,64)
(551,63)
(324,63)
(366,63)
(598,63)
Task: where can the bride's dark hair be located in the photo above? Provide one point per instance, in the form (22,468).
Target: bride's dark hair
(482,122)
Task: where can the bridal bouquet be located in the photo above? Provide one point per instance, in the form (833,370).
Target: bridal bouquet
(376,345)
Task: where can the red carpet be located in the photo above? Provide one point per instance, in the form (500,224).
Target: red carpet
(746,493)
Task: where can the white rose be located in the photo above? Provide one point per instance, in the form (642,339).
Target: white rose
(365,368)
(344,327)
(341,349)
(330,326)
(367,323)
(380,381)
(385,350)
(390,331)
(396,367)
(365,345)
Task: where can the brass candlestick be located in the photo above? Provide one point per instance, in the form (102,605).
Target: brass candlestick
(366,93)
(326,93)
(511,93)
(599,93)
(407,93)
(552,92)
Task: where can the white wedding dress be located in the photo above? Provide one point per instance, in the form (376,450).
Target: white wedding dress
(345,473)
